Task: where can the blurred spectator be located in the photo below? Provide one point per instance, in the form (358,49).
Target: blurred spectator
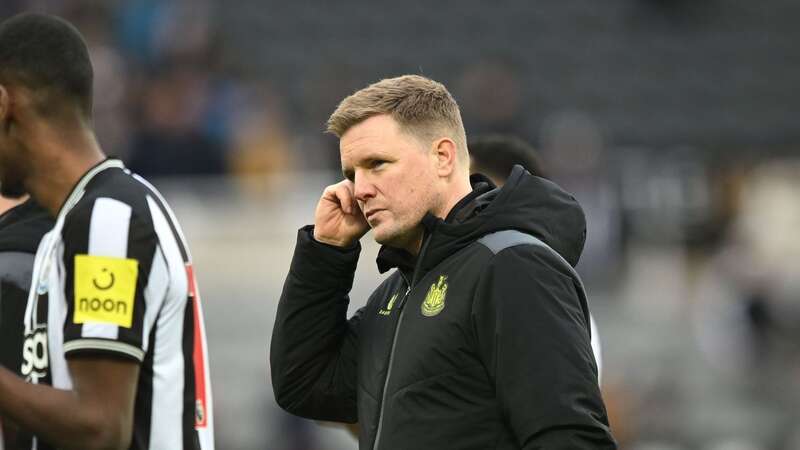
(152,31)
(260,140)
(137,25)
(95,20)
(495,154)
(489,93)
(171,140)
(573,145)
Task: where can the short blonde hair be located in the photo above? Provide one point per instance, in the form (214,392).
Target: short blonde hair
(422,107)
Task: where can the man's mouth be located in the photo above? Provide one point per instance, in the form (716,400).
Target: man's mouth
(372,212)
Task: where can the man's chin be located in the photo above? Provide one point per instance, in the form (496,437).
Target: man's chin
(384,237)
(381,238)
(403,241)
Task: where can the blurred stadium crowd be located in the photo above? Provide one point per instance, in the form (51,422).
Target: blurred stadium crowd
(164,103)
(673,122)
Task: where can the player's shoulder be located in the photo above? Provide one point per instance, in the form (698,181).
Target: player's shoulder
(114,193)
(118,184)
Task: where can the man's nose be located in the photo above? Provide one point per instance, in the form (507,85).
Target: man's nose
(363,188)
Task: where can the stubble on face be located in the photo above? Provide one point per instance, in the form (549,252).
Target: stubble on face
(404,228)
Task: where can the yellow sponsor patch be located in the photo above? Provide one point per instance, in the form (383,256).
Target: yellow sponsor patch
(105,289)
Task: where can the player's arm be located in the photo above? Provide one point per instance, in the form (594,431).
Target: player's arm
(313,350)
(533,337)
(96,414)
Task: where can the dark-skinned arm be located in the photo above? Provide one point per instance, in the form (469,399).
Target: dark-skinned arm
(96,414)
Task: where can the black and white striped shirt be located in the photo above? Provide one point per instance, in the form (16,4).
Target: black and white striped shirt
(114,276)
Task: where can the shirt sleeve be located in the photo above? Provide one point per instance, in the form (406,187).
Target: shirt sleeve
(108,253)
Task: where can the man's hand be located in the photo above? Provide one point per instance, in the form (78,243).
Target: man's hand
(338,219)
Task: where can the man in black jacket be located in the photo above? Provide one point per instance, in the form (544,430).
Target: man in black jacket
(22,226)
(480,338)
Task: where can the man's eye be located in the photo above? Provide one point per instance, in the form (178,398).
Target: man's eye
(377,163)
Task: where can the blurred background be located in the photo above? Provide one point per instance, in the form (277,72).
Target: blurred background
(674,122)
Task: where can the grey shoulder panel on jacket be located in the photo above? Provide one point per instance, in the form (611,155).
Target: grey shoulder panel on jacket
(501,240)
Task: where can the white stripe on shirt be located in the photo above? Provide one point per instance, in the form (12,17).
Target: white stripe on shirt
(108,236)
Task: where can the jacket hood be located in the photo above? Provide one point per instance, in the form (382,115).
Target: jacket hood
(526,203)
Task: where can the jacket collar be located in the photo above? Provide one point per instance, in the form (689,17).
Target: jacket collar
(390,257)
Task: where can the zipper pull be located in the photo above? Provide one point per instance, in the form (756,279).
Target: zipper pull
(403,300)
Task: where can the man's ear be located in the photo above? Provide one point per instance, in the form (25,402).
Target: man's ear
(446,153)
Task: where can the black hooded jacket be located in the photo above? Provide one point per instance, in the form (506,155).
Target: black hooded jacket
(482,342)
(21,229)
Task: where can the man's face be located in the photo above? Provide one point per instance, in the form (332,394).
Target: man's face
(394,177)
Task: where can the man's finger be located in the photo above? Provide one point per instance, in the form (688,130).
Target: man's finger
(345,198)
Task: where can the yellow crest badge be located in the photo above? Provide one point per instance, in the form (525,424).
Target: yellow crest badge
(434,301)
(105,289)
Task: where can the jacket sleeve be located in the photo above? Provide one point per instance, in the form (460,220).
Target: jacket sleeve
(15,280)
(533,337)
(313,350)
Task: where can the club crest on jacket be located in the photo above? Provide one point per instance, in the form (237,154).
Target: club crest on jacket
(434,301)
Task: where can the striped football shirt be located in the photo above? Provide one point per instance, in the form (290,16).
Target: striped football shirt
(114,277)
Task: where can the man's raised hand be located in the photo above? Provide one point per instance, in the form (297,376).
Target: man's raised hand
(338,219)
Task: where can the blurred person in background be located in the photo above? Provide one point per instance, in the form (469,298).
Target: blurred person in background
(491,92)
(178,100)
(22,225)
(114,347)
(480,338)
(260,140)
(171,140)
(495,156)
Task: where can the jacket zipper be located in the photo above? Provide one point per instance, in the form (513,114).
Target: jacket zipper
(389,369)
(394,340)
